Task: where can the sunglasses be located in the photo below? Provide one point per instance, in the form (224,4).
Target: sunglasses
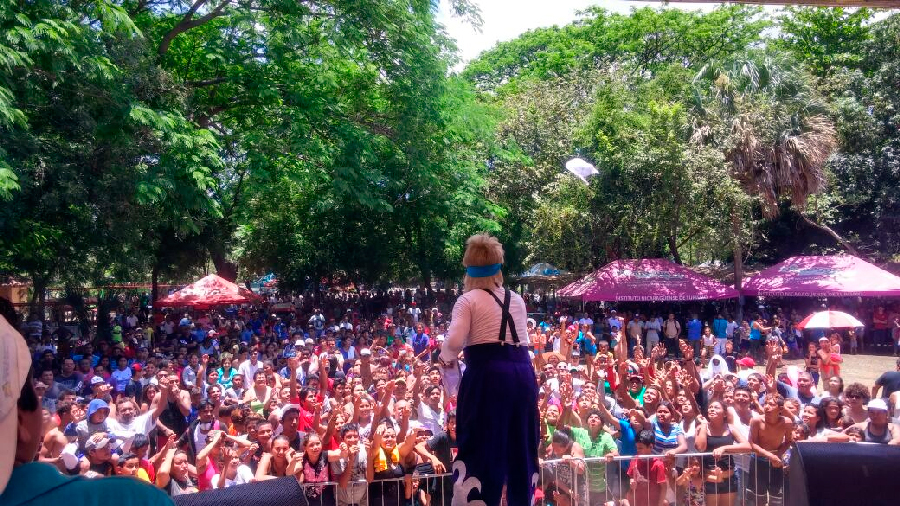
(853,397)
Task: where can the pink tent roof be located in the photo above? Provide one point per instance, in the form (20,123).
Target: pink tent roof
(823,276)
(209,291)
(653,279)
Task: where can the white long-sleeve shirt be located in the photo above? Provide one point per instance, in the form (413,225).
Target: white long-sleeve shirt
(476,320)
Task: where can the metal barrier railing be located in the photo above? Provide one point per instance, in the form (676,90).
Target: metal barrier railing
(688,479)
(413,489)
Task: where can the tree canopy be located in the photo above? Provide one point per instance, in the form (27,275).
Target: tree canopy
(150,139)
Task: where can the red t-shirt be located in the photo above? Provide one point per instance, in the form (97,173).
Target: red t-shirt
(649,476)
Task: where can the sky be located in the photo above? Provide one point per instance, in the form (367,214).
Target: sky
(506,19)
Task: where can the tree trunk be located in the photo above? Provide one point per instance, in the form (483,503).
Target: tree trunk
(673,249)
(154,285)
(224,268)
(830,231)
(738,261)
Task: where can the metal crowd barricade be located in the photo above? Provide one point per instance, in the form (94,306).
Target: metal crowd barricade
(561,484)
(435,489)
(575,482)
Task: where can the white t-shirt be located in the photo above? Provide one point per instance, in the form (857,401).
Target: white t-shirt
(244,475)
(142,424)
(730,328)
(430,418)
(415,313)
(248,369)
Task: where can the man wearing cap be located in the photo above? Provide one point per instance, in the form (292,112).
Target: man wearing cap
(98,454)
(24,482)
(878,429)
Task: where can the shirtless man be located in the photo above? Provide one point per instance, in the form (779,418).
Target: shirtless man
(55,440)
(770,436)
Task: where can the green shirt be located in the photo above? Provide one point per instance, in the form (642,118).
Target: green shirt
(38,484)
(599,447)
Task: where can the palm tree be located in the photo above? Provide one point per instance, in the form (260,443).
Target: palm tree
(773,129)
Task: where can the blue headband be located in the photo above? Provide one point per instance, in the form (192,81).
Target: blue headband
(483,271)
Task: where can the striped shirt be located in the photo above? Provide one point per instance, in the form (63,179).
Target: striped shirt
(666,441)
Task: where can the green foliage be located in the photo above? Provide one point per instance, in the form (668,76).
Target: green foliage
(825,39)
(647,39)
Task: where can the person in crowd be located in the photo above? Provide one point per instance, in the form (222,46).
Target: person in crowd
(770,436)
(887,383)
(386,466)
(648,477)
(716,435)
(878,428)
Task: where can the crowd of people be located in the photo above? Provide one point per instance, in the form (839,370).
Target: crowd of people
(346,394)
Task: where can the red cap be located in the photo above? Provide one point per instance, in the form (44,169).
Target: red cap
(746,362)
(136,367)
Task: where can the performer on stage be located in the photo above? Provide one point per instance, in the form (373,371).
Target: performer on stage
(497,417)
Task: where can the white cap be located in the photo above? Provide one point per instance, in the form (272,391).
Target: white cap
(878,404)
(15,361)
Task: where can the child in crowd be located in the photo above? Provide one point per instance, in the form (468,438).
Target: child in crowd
(130,465)
(692,482)
(648,475)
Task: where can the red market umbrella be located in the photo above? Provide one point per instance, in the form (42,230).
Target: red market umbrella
(829,320)
(209,291)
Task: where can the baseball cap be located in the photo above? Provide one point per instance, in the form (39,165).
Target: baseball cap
(746,362)
(877,404)
(298,342)
(98,441)
(823,338)
(136,367)
(16,362)
(97,380)
(309,342)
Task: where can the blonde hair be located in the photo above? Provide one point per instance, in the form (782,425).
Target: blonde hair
(482,249)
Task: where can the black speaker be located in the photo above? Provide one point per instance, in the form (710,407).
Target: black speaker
(825,474)
(263,493)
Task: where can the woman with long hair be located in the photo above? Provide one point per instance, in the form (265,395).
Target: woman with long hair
(281,461)
(835,387)
(497,409)
(831,409)
(716,435)
(226,372)
(315,468)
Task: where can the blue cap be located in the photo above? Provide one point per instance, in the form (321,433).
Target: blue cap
(97,405)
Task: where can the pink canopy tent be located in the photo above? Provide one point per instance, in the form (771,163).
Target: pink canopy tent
(653,279)
(823,276)
(209,291)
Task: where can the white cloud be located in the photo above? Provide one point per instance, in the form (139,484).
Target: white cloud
(507,19)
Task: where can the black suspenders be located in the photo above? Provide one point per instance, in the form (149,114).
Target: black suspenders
(506,318)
